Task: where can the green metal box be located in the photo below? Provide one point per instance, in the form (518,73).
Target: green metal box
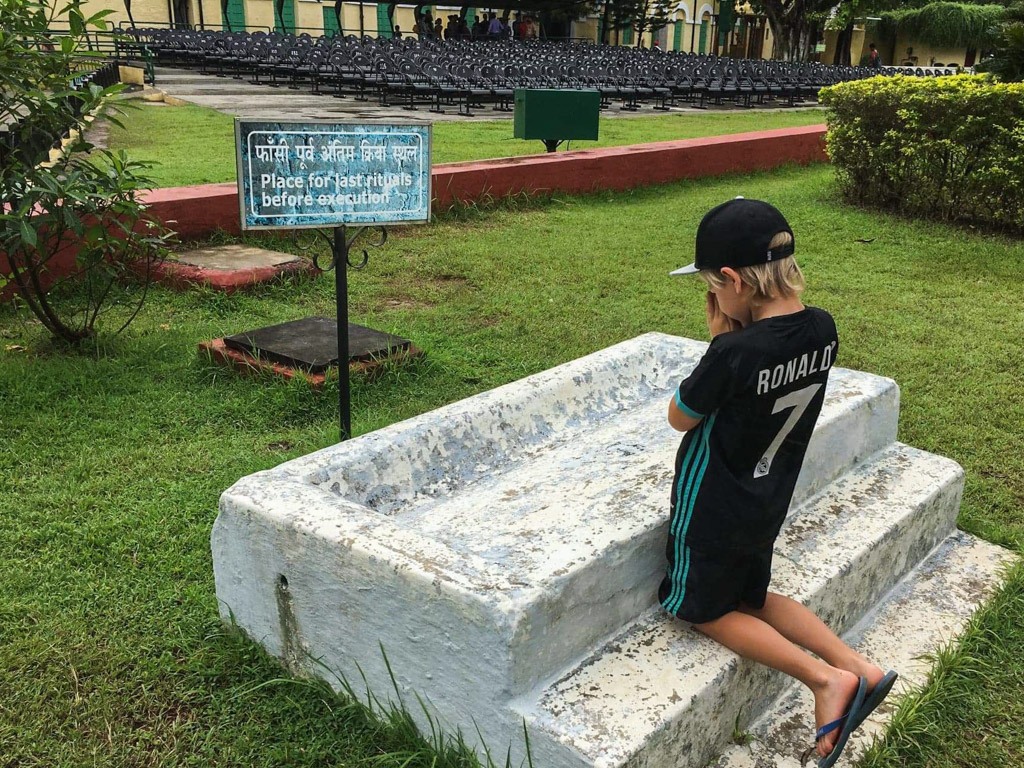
(551,113)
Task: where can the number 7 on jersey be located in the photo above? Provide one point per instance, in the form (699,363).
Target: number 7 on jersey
(798,401)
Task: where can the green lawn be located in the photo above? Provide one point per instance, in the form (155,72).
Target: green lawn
(195,145)
(112,461)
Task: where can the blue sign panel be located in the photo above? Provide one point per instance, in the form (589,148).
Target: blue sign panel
(295,175)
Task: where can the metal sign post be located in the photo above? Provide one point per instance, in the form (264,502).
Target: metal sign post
(320,174)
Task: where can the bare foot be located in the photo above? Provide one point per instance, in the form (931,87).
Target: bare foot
(830,703)
(861,667)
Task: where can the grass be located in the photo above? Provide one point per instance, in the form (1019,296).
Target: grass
(195,145)
(112,459)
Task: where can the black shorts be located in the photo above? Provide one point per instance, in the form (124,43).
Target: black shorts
(705,584)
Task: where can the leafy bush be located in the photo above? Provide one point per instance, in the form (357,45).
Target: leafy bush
(69,229)
(945,147)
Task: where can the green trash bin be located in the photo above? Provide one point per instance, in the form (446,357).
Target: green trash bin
(555,115)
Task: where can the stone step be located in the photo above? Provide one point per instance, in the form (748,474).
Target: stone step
(925,611)
(549,495)
(659,694)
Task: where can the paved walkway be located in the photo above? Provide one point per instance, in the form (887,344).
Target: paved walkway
(243,99)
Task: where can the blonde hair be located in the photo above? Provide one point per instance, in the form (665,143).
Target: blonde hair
(771,280)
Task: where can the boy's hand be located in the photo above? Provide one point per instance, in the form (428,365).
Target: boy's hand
(718,321)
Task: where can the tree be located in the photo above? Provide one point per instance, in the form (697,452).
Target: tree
(640,15)
(84,206)
(845,16)
(952,25)
(795,24)
(1007,62)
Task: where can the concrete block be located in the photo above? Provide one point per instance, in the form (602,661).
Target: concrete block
(659,694)
(492,546)
(130,75)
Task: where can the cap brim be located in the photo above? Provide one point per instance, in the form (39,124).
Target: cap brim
(690,269)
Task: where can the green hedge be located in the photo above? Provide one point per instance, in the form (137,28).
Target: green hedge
(944,147)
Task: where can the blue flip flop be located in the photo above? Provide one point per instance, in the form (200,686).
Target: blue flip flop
(845,723)
(876,697)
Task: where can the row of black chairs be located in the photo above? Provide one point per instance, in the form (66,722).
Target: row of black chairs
(470,75)
(24,141)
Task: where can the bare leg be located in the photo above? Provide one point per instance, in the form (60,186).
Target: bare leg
(754,639)
(800,625)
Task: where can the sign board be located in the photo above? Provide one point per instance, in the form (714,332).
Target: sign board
(326,174)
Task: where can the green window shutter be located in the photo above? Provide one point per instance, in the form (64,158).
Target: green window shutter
(703,47)
(235,16)
(627,36)
(383,22)
(331,26)
(285,22)
(289,16)
(677,38)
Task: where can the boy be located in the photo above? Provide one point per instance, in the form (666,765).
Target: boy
(748,411)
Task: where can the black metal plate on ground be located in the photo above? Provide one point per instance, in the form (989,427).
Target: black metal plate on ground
(312,343)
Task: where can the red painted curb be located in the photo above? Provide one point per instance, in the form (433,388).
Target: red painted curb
(621,168)
(195,212)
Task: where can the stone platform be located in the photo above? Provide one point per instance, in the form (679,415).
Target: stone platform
(504,551)
(229,267)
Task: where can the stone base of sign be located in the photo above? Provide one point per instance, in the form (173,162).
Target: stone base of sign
(504,553)
(244,363)
(312,343)
(229,267)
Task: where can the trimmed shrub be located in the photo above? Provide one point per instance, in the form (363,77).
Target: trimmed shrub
(945,147)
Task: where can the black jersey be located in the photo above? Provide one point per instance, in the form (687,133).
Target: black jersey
(759,391)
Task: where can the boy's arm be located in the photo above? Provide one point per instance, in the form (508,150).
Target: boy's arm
(681,420)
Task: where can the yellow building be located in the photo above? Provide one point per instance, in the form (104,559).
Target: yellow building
(296,16)
(694,26)
(904,51)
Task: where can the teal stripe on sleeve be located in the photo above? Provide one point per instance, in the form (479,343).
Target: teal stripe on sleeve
(688,411)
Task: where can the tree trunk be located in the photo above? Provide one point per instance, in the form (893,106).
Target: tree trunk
(606,17)
(843,42)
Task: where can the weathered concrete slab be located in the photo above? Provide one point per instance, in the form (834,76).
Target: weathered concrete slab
(537,501)
(232,257)
(505,549)
(228,267)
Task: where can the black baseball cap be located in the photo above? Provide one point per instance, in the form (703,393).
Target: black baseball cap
(736,234)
